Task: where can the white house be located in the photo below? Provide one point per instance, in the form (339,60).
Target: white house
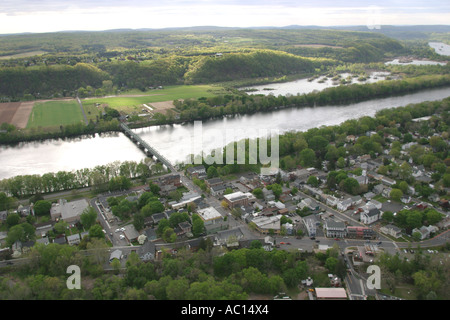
(391,230)
(370,217)
(344,204)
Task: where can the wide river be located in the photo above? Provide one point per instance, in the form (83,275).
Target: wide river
(176,142)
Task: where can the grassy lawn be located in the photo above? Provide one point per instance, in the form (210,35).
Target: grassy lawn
(54,113)
(128,104)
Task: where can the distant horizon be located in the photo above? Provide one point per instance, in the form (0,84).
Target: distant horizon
(233,27)
(46,16)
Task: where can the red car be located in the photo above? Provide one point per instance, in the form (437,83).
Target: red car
(282,242)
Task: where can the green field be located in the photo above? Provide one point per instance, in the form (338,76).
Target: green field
(54,113)
(133,100)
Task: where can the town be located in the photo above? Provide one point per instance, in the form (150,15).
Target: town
(363,206)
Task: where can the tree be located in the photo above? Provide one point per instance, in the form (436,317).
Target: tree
(96,231)
(388,216)
(212,172)
(432,216)
(42,207)
(138,221)
(12,219)
(350,185)
(426,281)
(198,226)
(414,219)
(313,181)
(257,192)
(169,235)
(61,227)
(396,194)
(88,217)
(340,163)
(307,157)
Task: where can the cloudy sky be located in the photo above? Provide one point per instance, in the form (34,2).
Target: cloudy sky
(56,15)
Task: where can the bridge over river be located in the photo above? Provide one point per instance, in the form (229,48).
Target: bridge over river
(148,149)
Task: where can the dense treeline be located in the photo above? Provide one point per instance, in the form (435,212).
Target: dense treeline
(260,63)
(42,81)
(14,136)
(112,176)
(243,104)
(211,273)
(129,74)
(370,50)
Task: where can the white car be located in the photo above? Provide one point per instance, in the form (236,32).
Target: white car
(122,237)
(122,229)
(117,230)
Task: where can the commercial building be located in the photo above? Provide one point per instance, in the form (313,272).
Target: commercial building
(68,211)
(236,199)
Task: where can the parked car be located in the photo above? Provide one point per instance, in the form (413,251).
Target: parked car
(122,237)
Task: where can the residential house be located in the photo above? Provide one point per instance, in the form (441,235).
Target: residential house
(391,230)
(60,240)
(308,203)
(3,215)
(198,172)
(25,211)
(386,192)
(147,251)
(343,205)
(73,239)
(3,235)
(228,238)
(424,231)
(45,241)
(185,226)
(370,217)
(218,190)
(334,229)
(268,194)
(150,233)
(311,223)
(171,179)
(378,189)
(116,254)
(331,200)
(130,233)
(213,182)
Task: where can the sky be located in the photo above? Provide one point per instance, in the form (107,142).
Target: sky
(17,16)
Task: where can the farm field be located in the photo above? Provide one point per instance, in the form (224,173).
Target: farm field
(133,101)
(55,113)
(16,113)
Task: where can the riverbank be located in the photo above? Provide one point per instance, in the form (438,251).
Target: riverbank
(208,109)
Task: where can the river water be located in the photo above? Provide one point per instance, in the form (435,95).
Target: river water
(176,142)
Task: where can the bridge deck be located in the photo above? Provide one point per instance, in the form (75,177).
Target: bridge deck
(138,140)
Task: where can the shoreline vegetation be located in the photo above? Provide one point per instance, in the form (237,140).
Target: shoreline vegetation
(305,148)
(231,104)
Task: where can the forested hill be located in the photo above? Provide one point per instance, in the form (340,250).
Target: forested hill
(259,63)
(58,64)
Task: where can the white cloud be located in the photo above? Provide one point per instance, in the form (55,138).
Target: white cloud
(52,15)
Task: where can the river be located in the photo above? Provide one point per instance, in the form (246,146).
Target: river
(176,142)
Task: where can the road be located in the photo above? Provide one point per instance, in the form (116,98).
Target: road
(82,111)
